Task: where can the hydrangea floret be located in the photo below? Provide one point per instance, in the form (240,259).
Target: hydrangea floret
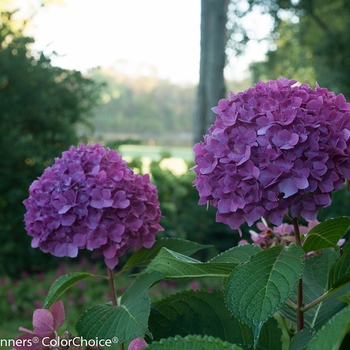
(137,344)
(274,148)
(89,198)
(46,322)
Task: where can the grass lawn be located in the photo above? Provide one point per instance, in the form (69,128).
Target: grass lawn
(155,152)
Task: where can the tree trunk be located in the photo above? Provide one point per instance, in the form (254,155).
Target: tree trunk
(212,62)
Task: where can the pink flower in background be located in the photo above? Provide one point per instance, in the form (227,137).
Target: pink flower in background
(4,281)
(274,148)
(45,322)
(137,344)
(37,304)
(91,199)
(280,235)
(194,285)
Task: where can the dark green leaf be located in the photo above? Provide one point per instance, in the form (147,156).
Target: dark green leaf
(256,289)
(182,246)
(237,255)
(193,342)
(340,271)
(301,339)
(326,234)
(204,313)
(125,321)
(62,284)
(332,333)
(175,265)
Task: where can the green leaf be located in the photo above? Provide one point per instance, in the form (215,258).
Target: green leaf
(126,321)
(192,342)
(182,246)
(62,284)
(204,313)
(256,290)
(301,339)
(330,336)
(315,281)
(175,265)
(340,271)
(237,255)
(326,234)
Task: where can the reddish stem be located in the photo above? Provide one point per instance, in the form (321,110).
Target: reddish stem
(300,303)
(112,287)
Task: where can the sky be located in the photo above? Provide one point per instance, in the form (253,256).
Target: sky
(132,35)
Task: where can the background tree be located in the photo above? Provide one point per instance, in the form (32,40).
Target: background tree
(212,62)
(41,108)
(309,42)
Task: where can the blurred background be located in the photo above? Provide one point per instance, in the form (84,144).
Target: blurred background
(141,76)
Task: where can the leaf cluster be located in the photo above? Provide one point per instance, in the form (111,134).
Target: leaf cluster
(257,284)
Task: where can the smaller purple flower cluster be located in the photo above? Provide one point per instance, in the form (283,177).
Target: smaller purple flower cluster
(274,148)
(91,199)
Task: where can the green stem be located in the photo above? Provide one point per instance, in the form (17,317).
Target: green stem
(288,330)
(291,304)
(300,303)
(113,294)
(322,298)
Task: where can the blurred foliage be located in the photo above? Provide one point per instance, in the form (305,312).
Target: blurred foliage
(41,107)
(309,42)
(20,297)
(340,205)
(6,5)
(142,105)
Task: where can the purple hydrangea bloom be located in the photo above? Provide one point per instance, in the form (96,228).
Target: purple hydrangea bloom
(91,199)
(274,148)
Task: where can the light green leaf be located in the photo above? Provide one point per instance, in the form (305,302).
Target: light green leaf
(315,281)
(326,234)
(332,333)
(204,313)
(340,271)
(126,321)
(345,298)
(256,290)
(193,342)
(62,284)
(237,255)
(182,246)
(175,265)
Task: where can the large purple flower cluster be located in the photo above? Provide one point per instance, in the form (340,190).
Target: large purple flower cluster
(91,199)
(274,148)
